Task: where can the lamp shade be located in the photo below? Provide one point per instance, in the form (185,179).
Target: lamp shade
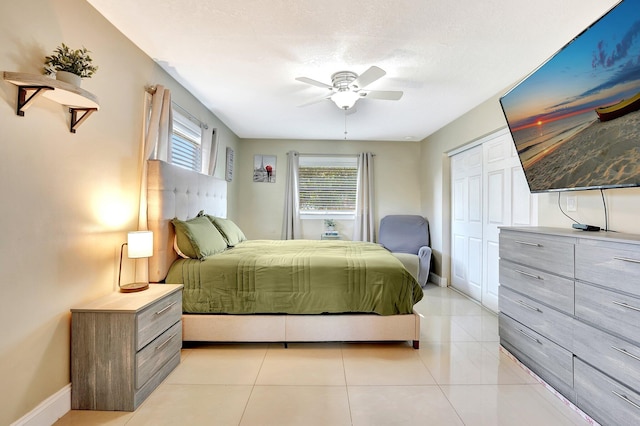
(345,99)
(140,244)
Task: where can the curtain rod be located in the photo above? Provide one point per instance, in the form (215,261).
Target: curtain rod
(152,90)
(330,155)
(191,116)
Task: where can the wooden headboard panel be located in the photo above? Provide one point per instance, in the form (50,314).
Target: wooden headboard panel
(174,191)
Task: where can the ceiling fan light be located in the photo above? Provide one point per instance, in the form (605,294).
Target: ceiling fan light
(345,99)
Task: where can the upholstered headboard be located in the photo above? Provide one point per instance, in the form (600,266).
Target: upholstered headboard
(174,191)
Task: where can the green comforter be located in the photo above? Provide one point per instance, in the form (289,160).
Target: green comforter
(297,277)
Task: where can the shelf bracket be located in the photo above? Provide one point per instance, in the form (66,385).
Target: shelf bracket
(25,100)
(77,119)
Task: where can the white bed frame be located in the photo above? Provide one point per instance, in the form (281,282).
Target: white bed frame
(173,191)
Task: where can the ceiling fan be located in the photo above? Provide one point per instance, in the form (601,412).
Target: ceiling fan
(347,87)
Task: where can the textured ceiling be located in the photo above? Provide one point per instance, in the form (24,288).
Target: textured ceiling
(240,58)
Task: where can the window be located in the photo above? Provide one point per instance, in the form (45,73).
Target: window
(327,185)
(186,142)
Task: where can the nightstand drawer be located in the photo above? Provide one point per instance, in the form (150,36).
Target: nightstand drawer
(612,311)
(543,352)
(551,254)
(156,354)
(553,324)
(158,317)
(606,400)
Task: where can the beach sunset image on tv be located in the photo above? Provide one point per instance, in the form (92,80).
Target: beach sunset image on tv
(575,120)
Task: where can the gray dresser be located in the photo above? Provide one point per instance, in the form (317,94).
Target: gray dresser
(570,311)
(123,346)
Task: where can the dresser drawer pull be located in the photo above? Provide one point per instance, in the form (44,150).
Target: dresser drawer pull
(624,351)
(528,274)
(526,243)
(627,259)
(625,399)
(626,305)
(160,346)
(526,305)
(166,308)
(528,336)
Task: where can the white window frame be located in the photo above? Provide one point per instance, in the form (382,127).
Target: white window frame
(190,133)
(328,160)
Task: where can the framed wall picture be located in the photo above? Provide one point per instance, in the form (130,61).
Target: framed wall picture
(229,170)
(264,168)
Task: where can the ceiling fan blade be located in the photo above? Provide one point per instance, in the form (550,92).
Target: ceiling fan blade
(387,95)
(368,77)
(314,82)
(315,101)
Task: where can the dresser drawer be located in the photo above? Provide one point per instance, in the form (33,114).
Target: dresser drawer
(615,312)
(604,399)
(612,355)
(156,318)
(548,288)
(613,265)
(553,324)
(542,351)
(156,354)
(548,253)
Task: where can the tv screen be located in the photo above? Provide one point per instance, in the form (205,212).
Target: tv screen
(575,121)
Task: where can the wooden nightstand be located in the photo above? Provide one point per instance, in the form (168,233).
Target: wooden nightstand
(122,347)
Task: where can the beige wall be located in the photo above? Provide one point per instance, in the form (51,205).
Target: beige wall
(261,205)
(623,204)
(67,199)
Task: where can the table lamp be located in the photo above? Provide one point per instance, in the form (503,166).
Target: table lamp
(140,245)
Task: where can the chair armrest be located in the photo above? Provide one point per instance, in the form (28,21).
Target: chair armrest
(424,254)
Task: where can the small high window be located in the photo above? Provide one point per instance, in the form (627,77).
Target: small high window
(186,146)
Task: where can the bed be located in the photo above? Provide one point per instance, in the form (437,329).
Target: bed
(261,315)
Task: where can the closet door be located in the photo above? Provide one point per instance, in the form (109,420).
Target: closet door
(506,202)
(489,190)
(466,222)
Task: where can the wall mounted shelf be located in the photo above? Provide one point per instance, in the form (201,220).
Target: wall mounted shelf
(81,103)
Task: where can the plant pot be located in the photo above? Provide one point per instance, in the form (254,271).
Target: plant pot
(69,77)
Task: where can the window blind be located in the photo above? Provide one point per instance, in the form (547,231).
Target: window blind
(186,143)
(327,184)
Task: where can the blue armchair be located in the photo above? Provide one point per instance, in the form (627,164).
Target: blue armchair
(407,238)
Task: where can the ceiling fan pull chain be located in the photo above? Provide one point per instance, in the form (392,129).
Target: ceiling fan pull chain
(345,124)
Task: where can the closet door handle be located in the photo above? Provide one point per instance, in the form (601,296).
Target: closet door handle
(166,308)
(626,305)
(627,353)
(526,305)
(528,274)
(526,243)
(625,399)
(528,336)
(627,259)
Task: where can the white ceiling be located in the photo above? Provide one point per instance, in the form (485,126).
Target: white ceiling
(240,58)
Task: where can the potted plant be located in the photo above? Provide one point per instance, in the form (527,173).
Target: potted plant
(330,224)
(70,65)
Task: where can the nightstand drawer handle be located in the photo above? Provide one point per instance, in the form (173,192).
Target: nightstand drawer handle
(625,399)
(626,305)
(165,342)
(528,274)
(526,305)
(526,243)
(166,308)
(624,351)
(528,336)
(627,259)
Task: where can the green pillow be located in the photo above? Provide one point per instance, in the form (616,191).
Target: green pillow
(198,238)
(229,230)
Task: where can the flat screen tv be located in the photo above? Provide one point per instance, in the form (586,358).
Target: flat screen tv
(575,120)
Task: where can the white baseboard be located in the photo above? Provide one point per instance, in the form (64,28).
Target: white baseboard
(48,411)
(437,279)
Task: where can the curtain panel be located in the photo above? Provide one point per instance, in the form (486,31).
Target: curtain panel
(291,227)
(364,226)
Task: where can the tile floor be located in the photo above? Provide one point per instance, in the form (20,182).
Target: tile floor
(458,377)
